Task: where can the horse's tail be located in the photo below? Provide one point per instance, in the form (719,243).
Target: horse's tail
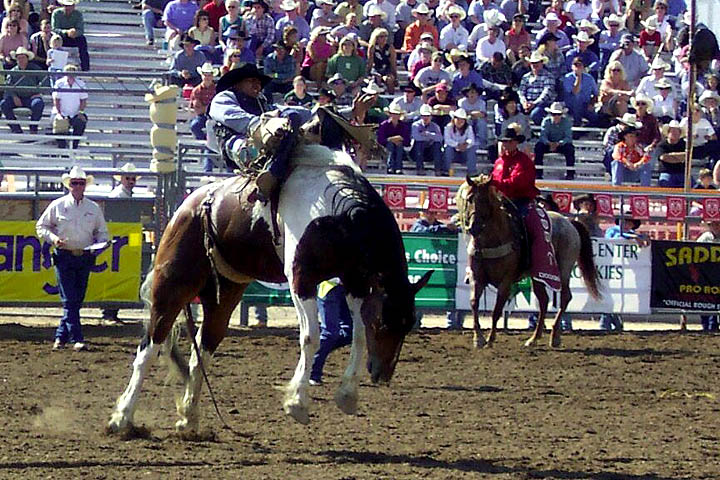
(585,261)
(176,361)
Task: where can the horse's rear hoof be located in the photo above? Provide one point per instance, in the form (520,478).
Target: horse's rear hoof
(299,413)
(479,341)
(555,342)
(530,342)
(346,402)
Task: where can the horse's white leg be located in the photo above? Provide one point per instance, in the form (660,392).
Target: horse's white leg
(297,400)
(187,407)
(555,334)
(346,397)
(124,411)
(542,299)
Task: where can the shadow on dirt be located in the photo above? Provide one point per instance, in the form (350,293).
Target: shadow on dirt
(460,388)
(628,353)
(478,466)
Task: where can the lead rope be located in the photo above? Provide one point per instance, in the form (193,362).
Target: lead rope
(192,331)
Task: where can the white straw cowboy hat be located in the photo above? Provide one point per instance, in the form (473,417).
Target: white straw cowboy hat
(207,68)
(642,98)
(551,17)
(372,88)
(493,17)
(707,95)
(455,53)
(128,170)
(395,109)
(613,18)
(374,10)
(68,3)
(456,10)
(22,51)
(630,120)
(326,2)
(658,63)
(459,113)
(288,5)
(585,23)
(425,110)
(583,37)
(663,83)
(557,107)
(673,124)
(76,173)
(421,9)
(650,24)
(536,57)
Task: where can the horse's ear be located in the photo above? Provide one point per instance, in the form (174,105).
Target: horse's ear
(417,286)
(469,180)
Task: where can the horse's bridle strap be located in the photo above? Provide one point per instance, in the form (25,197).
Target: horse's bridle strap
(497,252)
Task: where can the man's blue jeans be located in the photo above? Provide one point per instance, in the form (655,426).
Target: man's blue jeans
(150,19)
(622,174)
(395,157)
(579,109)
(336,327)
(427,150)
(72,275)
(35,104)
(538,113)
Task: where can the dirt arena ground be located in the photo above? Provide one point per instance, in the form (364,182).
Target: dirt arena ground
(630,406)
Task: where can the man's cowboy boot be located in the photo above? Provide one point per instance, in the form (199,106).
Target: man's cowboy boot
(266,183)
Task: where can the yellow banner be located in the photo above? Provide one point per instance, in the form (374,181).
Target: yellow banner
(27,273)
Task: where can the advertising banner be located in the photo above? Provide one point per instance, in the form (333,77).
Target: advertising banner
(27,274)
(685,276)
(423,252)
(624,269)
(394,196)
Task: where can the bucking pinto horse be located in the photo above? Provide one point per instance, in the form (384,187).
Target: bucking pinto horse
(332,223)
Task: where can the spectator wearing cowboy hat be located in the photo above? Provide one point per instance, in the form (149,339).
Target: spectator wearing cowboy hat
(612,137)
(430,77)
(69,23)
(650,39)
(261,28)
(324,16)
(465,76)
(71,224)
(184,69)
(350,6)
(394,135)
(647,87)
(490,44)
(537,88)
(630,162)
(427,142)
(420,56)
(476,109)
(384,6)
(589,59)
(236,41)
(200,99)
(376,19)
(491,17)
(666,103)
(178,17)
(580,93)
(586,208)
(377,111)
(649,133)
(477,9)
(516,37)
(420,26)
(409,102)
(556,137)
(281,68)
(69,103)
(338,85)
(460,143)
(610,38)
(454,35)
(709,102)
(555,64)
(552,25)
(671,155)
(317,54)
(592,31)
(29,97)
(292,18)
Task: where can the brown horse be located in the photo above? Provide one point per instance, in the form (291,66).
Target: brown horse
(332,224)
(494,254)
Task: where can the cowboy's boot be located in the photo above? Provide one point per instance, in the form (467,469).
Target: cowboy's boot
(266,183)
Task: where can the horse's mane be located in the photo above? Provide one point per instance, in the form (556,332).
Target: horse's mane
(461,198)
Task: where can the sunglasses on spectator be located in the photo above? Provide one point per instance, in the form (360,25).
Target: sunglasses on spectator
(616,70)
(578,64)
(233,7)
(454,16)
(134,179)
(77,183)
(236,56)
(641,104)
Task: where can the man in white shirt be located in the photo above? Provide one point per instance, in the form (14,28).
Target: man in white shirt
(71,224)
(454,35)
(489,45)
(70,105)
(410,102)
(386,7)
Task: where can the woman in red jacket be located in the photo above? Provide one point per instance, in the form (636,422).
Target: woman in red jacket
(514,175)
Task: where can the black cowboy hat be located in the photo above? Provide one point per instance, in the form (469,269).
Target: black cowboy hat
(413,87)
(511,134)
(627,215)
(327,93)
(547,37)
(585,197)
(249,70)
(185,38)
(623,133)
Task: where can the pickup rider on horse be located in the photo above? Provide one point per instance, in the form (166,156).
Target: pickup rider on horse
(514,175)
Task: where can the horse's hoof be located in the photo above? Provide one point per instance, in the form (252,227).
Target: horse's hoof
(117,423)
(186,428)
(530,343)
(298,412)
(479,341)
(346,402)
(555,342)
